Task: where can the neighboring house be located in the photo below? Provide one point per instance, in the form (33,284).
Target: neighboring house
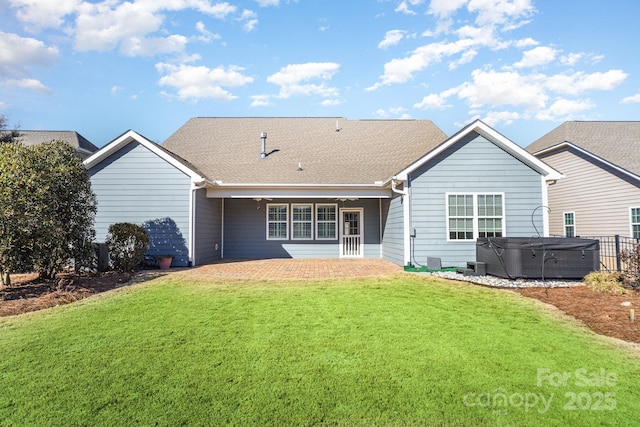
(320,187)
(83,145)
(600,194)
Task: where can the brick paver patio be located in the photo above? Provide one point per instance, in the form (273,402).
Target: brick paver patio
(295,269)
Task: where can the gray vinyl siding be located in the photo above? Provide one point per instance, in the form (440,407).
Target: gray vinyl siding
(245,231)
(208,228)
(599,196)
(473,165)
(135,185)
(393,230)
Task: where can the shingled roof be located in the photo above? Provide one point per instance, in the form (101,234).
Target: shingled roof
(32,137)
(616,142)
(329,150)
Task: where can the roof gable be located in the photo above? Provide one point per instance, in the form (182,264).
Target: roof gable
(614,143)
(302,150)
(492,136)
(131,136)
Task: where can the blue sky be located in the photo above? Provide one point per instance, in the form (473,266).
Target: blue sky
(522,66)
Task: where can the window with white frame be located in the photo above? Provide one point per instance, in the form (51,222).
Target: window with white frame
(470,216)
(569,224)
(277,221)
(635,223)
(302,221)
(326,221)
(489,215)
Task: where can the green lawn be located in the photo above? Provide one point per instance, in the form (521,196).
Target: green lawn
(403,351)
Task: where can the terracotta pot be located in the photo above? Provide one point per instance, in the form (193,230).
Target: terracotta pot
(164,262)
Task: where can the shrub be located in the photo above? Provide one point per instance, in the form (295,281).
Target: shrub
(605,282)
(127,245)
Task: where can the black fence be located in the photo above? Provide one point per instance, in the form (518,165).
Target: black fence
(611,248)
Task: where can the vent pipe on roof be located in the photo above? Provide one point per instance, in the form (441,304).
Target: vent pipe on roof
(263,137)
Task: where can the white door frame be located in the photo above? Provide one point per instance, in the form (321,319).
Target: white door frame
(351,245)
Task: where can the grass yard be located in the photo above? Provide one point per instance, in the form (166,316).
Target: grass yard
(404,350)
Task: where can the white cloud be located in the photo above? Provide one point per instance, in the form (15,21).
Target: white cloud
(30,84)
(115,89)
(393,113)
(507,13)
(261,101)
(405,6)
(293,79)
(633,99)
(205,35)
(564,109)
(31,52)
(15,63)
(196,82)
(330,102)
(432,102)
(391,38)
(152,46)
(580,82)
(530,92)
(130,26)
(494,118)
(44,14)
(266,3)
(445,8)
(249,19)
(523,43)
(402,70)
(540,55)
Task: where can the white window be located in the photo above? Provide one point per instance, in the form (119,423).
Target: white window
(635,223)
(569,224)
(489,215)
(302,222)
(470,216)
(326,221)
(277,221)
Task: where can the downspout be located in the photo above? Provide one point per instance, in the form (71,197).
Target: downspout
(195,186)
(406,219)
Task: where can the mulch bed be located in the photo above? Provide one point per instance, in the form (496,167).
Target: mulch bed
(28,293)
(605,314)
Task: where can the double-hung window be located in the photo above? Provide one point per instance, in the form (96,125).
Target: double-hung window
(489,215)
(277,221)
(569,224)
(470,216)
(326,221)
(302,222)
(635,223)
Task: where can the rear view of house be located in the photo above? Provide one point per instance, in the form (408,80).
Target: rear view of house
(600,194)
(320,188)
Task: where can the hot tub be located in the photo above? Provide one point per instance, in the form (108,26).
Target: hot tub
(539,257)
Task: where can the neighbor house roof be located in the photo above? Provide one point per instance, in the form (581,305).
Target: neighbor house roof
(32,137)
(617,143)
(309,150)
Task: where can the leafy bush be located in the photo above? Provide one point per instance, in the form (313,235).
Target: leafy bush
(605,282)
(128,244)
(47,210)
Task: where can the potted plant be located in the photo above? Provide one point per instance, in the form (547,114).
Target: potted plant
(164,261)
